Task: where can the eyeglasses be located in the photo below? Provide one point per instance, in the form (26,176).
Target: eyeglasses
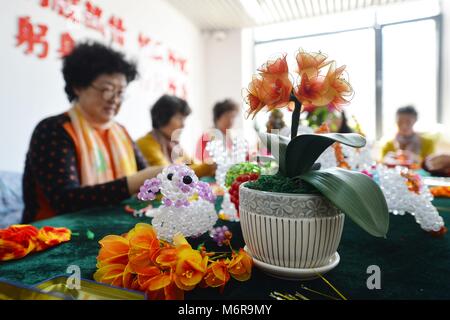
(110,93)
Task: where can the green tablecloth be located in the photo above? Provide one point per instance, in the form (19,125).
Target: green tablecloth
(442,204)
(413,264)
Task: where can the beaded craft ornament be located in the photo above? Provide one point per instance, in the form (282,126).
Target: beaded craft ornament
(188,204)
(403,190)
(225,159)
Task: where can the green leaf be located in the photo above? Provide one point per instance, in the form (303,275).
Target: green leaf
(303,150)
(355,194)
(277,145)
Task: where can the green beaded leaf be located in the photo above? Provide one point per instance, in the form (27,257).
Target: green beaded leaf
(277,146)
(90,235)
(302,151)
(298,155)
(355,194)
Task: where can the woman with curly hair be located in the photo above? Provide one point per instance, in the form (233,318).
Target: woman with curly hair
(83,158)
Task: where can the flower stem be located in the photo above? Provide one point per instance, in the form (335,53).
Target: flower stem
(223,255)
(295,116)
(319,293)
(332,287)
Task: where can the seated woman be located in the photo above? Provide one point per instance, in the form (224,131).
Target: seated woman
(168,115)
(224,115)
(82,158)
(407,146)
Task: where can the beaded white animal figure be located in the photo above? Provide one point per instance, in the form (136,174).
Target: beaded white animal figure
(394,186)
(178,185)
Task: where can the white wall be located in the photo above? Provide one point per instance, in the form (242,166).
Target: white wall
(229,69)
(32,89)
(223,69)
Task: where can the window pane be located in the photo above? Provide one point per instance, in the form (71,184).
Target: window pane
(408,11)
(409,72)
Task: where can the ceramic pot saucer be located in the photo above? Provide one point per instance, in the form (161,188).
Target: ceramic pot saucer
(293,273)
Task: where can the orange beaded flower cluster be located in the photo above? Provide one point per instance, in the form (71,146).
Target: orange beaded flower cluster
(440,191)
(19,240)
(138,260)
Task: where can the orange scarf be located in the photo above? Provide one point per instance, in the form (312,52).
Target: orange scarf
(95,162)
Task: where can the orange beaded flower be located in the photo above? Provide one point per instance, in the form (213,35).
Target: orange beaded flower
(320,84)
(441,191)
(19,240)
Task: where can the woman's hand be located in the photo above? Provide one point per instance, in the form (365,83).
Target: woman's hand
(438,162)
(136,180)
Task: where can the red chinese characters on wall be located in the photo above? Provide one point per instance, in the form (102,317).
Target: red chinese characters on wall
(155,49)
(172,87)
(177,88)
(184,92)
(143,41)
(182,63)
(176,61)
(90,16)
(177,84)
(117,30)
(65,8)
(165,71)
(93,17)
(66,44)
(31,36)
(169,73)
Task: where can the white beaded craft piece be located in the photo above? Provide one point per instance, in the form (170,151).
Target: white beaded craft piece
(401,200)
(180,212)
(394,186)
(228,209)
(357,159)
(224,159)
(192,221)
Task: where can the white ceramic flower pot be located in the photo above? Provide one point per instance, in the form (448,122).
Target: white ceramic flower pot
(290,230)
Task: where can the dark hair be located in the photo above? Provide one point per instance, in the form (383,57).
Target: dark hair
(222,107)
(165,108)
(408,110)
(89,60)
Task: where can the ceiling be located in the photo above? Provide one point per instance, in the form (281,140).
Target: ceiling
(236,14)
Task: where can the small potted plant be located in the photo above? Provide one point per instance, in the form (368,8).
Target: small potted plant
(294,219)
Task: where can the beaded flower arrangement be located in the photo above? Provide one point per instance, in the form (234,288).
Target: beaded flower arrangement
(140,260)
(188,204)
